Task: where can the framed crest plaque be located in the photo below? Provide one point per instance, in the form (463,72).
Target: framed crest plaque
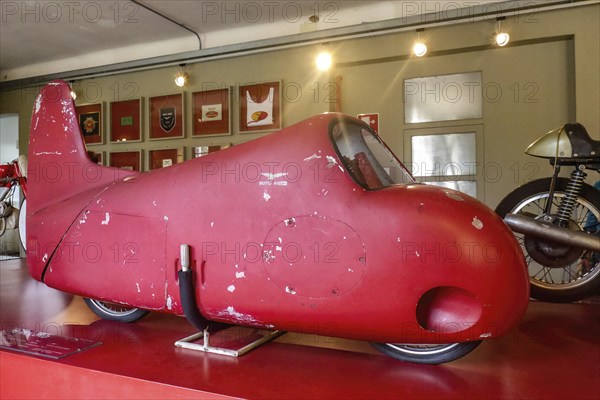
(162,158)
(125,121)
(89,117)
(201,151)
(211,114)
(166,117)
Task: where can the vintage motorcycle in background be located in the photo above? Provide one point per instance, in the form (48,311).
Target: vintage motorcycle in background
(13,176)
(556,219)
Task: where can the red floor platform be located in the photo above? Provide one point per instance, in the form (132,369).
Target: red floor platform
(553,354)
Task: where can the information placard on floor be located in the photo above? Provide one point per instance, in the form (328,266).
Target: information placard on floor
(43,344)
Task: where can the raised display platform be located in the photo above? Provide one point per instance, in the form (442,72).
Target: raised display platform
(554,353)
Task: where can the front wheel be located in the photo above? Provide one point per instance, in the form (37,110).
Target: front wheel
(115,312)
(426,353)
(557,273)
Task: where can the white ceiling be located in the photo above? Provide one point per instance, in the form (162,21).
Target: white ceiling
(39,38)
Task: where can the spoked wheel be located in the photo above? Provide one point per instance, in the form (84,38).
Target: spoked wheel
(557,273)
(2,225)
(426,353)
(22,224)
(114,311)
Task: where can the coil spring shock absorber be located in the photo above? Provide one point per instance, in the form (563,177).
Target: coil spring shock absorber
(571,194)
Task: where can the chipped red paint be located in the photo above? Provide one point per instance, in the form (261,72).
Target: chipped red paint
(280,237)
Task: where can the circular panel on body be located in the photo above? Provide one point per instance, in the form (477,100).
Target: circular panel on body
(313,256)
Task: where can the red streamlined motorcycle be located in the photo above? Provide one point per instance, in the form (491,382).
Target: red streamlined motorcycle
(556,219)
(316,228)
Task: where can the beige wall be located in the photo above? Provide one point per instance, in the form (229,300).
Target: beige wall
(547,76)
(553,60)
(525,93)
(294,67)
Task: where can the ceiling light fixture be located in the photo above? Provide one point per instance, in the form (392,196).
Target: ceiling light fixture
(182,77)
(420,48)
(502,38)
(324,61)
(73,94)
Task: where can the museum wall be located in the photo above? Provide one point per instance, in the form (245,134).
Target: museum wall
(526,91)
(547,76)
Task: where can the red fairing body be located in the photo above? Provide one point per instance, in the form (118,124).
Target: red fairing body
(280,235)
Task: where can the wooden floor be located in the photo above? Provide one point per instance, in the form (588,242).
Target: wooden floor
(553,354)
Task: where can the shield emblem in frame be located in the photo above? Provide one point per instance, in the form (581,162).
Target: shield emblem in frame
(167,118)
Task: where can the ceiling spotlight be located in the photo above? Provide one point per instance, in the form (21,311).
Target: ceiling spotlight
(420,48)
(502,38)
(324,61)
(182,77)
(180,80)
(73,94)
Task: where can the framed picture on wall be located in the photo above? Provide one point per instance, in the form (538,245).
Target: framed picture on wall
(260,107)
(129,160)
(166,116)
(125,121)
(371,119)
(89,117)
(162,158)
(200,151)
(211,114)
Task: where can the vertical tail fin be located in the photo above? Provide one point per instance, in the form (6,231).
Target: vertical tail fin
(58,171)
(59,166)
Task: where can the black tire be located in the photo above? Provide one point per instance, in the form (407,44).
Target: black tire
(426,353)
(23,224)
(573,274)
(115,312)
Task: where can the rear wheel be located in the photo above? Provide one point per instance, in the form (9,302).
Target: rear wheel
(426,353)
(114,311)
(557,273)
